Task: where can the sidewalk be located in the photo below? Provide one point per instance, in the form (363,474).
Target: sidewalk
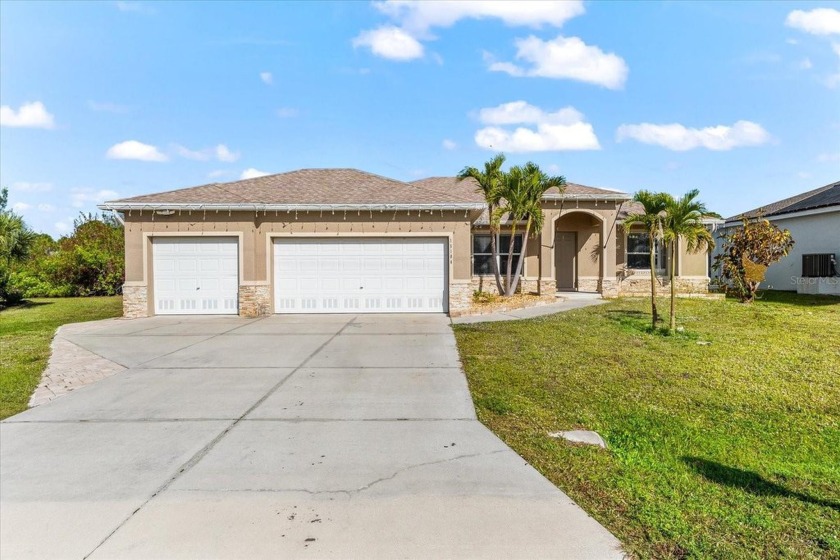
(572,300)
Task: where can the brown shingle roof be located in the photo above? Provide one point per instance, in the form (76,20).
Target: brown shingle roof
(828,195)
(469,187)
(307,187)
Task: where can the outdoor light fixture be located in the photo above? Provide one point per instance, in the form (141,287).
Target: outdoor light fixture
(164,212)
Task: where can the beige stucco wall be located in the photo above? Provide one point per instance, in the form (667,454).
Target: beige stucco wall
(595,224)
(257,230)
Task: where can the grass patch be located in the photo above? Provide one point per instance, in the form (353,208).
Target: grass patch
(26,331)
(724,439)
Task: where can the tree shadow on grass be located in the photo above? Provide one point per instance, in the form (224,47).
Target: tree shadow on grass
(25,304)
(793,298)
(749,481)
(637,321)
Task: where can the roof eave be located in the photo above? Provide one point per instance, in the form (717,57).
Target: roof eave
(588,196)
(259,207)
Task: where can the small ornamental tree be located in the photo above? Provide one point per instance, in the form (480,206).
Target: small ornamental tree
(15,241)
(747,252)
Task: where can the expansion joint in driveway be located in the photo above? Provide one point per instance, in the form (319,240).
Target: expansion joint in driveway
(201,453)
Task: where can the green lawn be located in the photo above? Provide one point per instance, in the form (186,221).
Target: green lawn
(722,450)
(25,335)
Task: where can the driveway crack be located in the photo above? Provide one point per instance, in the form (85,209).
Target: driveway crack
(354,491)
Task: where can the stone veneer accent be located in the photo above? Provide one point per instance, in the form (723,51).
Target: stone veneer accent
(546,286)
(487,285)
(591,284)
(135,301)
(460,296)
(639,285)
(254,301)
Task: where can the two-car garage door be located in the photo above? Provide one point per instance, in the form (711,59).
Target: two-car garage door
(355,275)
(200,275)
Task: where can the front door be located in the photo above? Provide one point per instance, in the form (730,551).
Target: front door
(565,251)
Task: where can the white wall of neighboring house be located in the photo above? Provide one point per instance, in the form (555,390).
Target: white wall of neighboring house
(814,231)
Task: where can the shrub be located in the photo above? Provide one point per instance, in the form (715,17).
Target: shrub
(747,252)
(484,297)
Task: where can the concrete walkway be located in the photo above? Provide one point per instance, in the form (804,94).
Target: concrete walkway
(284,437)
(571,300)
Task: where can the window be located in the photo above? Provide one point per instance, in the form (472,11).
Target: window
(638,252)
(482,257)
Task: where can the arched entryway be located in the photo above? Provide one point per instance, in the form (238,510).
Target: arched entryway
(578,251)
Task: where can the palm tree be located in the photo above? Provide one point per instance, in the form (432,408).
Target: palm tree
(524,188)
(651,219)
(684,221)
(490,185)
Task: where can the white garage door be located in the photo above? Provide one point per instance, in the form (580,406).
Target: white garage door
(352,275)
(195,275)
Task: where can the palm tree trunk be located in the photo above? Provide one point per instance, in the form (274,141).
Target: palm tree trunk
(672,325)
(494,251)
(653,312)
(522,255)
(509,273)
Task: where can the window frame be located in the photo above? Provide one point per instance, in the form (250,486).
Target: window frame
(660,255)
(516,254)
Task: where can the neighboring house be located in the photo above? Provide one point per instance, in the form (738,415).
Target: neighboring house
(813,219)
(343,240)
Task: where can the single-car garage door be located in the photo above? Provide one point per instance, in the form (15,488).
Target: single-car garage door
(353,275)
(195,275)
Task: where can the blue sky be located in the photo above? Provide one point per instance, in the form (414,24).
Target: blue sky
(114,99)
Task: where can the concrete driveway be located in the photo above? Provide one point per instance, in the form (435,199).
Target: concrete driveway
(285,437)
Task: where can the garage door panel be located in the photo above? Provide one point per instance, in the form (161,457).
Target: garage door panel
(360,275)
(195,276)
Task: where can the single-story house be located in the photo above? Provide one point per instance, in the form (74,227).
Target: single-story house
(343,240)
(813,219)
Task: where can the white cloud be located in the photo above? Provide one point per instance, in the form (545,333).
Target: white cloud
(216,173)
(565,57)
(791,41)
(252,173)
(30,115)
(46,207)
(805,64)
(21,206)
(82,197)
(419,17)
(287,112)
(31,187)
(517,112)
(449,144)
(220,152)
(560,130)
(390,42)
(828,158)
(186,153)
(821,21)
(804,175)
(132,149)
(680,138)
(107,107)
(267,77)
(414,21)
(223,153)
(833,80)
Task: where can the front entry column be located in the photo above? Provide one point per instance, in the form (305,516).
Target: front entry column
(609,281)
